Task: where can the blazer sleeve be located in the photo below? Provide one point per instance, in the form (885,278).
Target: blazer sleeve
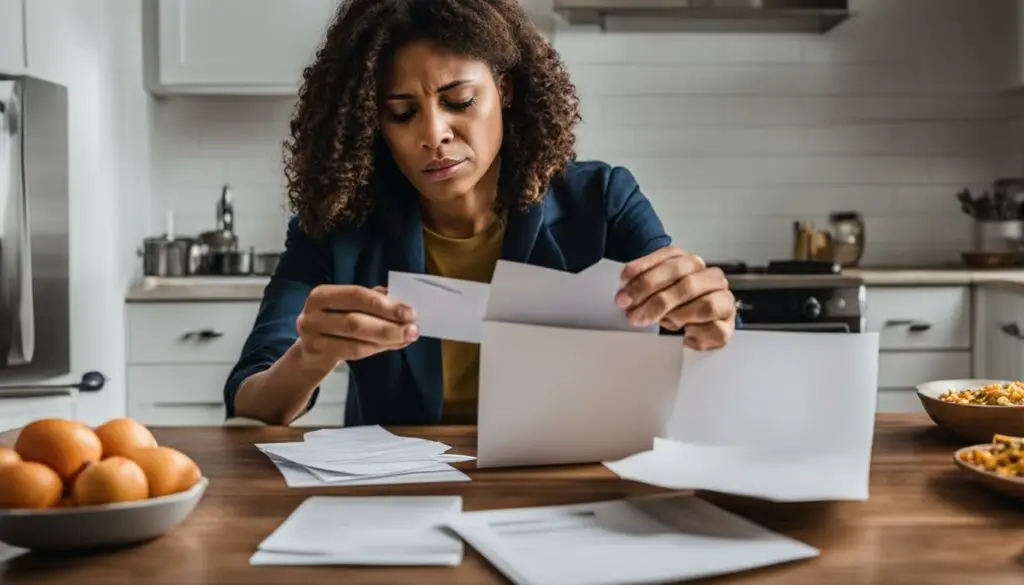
(634,229)
(304,264)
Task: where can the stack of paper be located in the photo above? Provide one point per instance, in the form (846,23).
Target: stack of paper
(362,456)
(648,540)
(394,530)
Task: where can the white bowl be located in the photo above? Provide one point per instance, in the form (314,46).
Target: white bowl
(971,422)
(104,526)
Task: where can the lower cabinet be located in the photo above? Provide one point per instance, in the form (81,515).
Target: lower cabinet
(180,355)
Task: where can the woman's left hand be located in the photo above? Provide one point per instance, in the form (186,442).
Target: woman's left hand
(676,290)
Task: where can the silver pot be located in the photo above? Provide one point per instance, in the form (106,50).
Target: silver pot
(264,263)
(230,263)
(166,257)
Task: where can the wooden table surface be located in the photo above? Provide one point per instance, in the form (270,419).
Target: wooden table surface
(925,522)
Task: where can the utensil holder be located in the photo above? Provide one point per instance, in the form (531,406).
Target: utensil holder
(1000,236)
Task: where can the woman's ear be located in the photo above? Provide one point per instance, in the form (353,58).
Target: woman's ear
(505,89)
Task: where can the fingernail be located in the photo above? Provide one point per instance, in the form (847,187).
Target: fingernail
(622,300)
(638,321)
(412,332)
(406,313)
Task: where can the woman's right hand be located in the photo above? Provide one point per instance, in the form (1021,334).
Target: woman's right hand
(347,322)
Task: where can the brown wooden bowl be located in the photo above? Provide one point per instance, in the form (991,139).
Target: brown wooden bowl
(975,423)
(1006,485)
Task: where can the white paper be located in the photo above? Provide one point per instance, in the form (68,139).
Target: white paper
(297,476)
(623,542)
(526,294)
(550,395)
(446,308)
(778,415)
(385,530)
(364,455)
(9,553)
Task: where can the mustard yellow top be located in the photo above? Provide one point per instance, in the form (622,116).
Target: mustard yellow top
(471,259)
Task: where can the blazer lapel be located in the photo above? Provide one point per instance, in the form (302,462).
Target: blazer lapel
(528,239)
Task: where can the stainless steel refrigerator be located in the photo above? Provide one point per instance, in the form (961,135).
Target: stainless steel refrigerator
(34,249)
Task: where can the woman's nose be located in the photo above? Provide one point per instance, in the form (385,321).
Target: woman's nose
(436,130)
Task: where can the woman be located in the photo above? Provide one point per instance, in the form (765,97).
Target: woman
(437,137)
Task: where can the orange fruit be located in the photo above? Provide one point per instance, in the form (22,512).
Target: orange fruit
(27,484)
(121,436)
(8,456)
(168,470)
(65,446)
(114,479)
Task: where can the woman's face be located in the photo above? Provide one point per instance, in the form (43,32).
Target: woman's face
(442,120)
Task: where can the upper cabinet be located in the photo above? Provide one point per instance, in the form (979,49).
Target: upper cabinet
(243,47)
(12,36)
(232,46)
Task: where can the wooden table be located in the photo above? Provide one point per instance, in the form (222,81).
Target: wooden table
(925,521)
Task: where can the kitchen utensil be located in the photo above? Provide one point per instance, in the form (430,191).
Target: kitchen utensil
(1007,485)
(223,238)
(167,255)
(231,263)
(999,235)
(848,237)
(264,263)
(87,528)
(967,421)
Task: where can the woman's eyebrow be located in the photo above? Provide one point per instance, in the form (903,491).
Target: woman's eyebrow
(448,86)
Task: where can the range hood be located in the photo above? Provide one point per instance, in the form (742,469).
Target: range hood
(801,16)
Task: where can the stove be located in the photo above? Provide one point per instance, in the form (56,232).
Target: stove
(797,295)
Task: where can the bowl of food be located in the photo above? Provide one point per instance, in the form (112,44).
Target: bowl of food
(999,465)
(975,409)
(67,487)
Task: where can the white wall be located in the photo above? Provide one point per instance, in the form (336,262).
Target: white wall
(72,42)
(732,136)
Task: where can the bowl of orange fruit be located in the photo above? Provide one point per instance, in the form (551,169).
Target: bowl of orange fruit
(65,486)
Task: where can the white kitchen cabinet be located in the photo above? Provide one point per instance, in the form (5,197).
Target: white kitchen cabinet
(12,36)
(924,334)
(233,46)
(999,327)
(18,412)
(180,355)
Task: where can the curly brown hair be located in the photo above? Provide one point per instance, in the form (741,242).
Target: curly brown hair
(336,160)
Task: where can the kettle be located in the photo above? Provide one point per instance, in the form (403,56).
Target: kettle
(847,237)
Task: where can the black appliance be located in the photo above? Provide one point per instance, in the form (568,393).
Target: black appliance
(797,295)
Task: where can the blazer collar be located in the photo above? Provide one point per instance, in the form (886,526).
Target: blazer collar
(527,240)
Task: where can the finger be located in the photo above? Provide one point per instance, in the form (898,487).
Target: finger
(715,306)
(381,289)
(681,293)
(641,265)
(362,300)
(706,336)
(364,327)
(659,277)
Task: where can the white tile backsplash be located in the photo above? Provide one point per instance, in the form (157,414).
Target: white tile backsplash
(732,136)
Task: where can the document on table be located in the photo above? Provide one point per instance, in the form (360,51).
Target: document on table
(780,416)
(383,530)
(649,540)
(364,455)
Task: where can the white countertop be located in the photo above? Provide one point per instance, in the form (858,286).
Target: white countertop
(250,288)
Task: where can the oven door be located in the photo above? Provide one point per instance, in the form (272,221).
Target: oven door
(832,327)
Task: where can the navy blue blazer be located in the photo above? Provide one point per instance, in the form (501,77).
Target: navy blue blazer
(594,211)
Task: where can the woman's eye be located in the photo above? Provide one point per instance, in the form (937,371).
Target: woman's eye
(461,106)
(401,116)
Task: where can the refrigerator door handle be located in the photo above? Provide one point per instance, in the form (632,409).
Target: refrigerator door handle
(15,251)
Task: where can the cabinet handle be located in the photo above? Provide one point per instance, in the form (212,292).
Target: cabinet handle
(202,335)
(1012,329)
(910,324)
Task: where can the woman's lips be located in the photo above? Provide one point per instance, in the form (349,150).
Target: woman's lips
(445,172)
